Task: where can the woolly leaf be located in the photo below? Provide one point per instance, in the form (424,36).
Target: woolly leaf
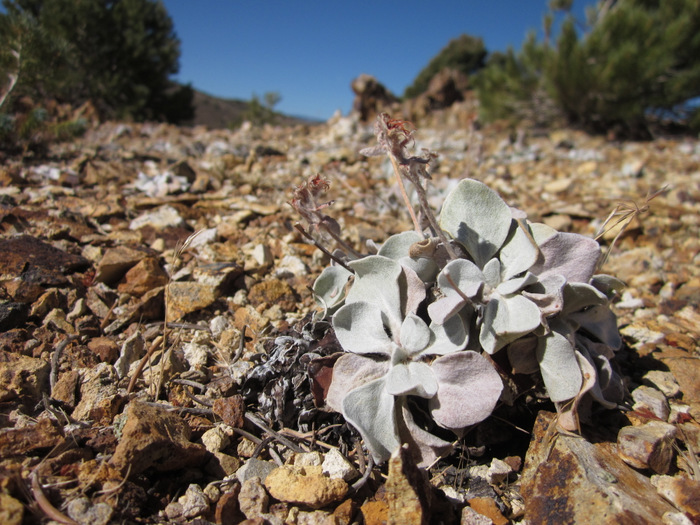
(468,390)
(359,328)
(331,288)
(505,320)
(370,409)
(519,252)
(397,248)
(558,364)
(351,371)
(415,334)
(376,282)
(411,379)
(572,255)
(478,218)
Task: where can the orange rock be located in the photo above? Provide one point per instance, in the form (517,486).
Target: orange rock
(375,512)
(487,507)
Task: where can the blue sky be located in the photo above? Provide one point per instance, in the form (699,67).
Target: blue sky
(310,50)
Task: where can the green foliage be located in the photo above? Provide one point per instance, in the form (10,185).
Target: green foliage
(638,59)
(259,113)
(465,54)
(513,86)
(641,55)
(117,54)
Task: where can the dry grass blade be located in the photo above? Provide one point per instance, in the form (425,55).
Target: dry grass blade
(622,216)
(45,505)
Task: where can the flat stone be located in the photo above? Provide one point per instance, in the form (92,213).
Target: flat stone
(159,219)
(652,400)
(663,381)
(647,446)
(684,493)
(487,507)
(154,437)
(186,297)
(116,262)
(305,486)
(145,276)
(44,434)
(99,398)
(255,468)
(22,377)
(570,480)
(253,500)
(37,262)
(230,409)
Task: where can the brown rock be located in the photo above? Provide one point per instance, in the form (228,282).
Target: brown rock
(253,500)
(647,446)
(305,486)
(105,348)
(99,400)
(407,490)
(231,410)
(375,512)
(19,441)
(11,510)
(471,517)
(273,292)
(684,493)
(227,508)
(345,512)
(37,262)
(186,297)
(143,277)
(570,480)
(652,400)
(487,507)
(66,388)
(22,376)
(154,437)
(116,262)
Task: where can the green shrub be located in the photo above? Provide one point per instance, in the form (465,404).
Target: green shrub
(465,54)
(637,61)
(118,54)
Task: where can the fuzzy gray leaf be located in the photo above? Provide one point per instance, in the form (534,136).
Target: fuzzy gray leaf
(352,371)
(569,254)
(330,288)
(558,364)
(371,410)
(397,248)
(519,252)
(377,283)
(469,388)
(359,328)
(505,320)
(478,218)
(411,379)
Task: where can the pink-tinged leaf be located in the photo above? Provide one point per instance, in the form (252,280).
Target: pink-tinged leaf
(351,371)
(468,389)
(572,255)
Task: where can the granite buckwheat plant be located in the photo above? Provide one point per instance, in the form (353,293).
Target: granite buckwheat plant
(420,319)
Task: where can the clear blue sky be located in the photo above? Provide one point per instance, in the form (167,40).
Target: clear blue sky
(310,50)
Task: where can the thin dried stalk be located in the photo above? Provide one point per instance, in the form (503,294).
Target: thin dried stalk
(622,215)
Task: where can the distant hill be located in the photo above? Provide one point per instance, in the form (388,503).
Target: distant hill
(217,113)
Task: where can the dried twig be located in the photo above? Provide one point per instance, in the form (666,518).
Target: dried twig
(56,357)
(45,505)
(261,425)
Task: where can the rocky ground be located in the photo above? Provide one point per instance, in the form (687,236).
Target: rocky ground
(151,375)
